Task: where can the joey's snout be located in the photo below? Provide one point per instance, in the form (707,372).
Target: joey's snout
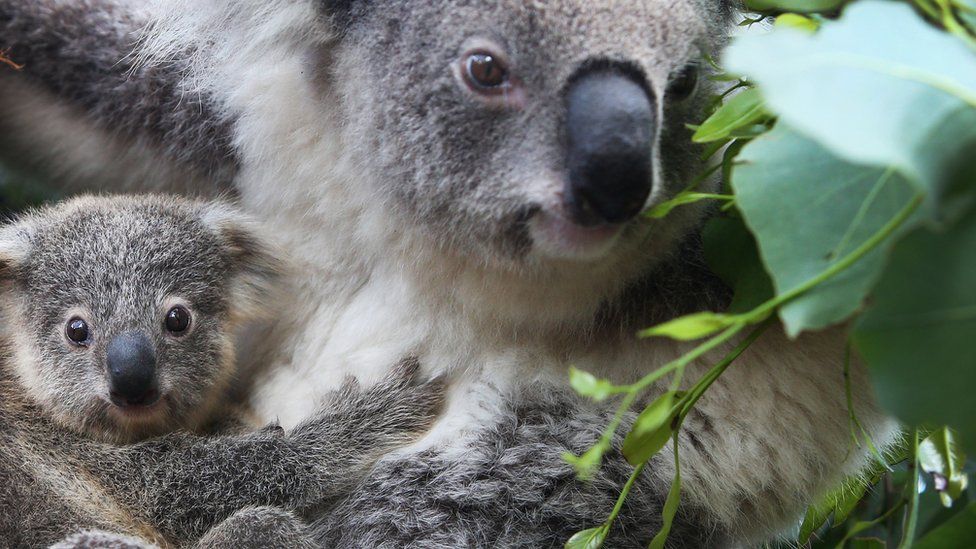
(610,127)
(131,366)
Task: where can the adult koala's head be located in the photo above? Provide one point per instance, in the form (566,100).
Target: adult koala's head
(528,134)
(506,147)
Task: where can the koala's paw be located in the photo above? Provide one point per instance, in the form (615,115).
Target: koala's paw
(397,409)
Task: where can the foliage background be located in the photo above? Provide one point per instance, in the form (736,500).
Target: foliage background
(846,136)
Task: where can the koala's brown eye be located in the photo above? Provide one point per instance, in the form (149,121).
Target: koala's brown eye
(485,72)
(77,331)
(684,83)
(177,320)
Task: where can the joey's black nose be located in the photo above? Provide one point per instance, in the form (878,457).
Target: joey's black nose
(610,128)
(131,364)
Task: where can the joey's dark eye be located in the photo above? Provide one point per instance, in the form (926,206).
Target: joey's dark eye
(684,83)
(77,331)
(485,73)
(177,320)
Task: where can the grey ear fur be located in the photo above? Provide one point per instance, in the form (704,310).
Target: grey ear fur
(14,247)
(257,266)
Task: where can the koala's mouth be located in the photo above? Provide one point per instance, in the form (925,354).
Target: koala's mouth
(141,413)
(556,237)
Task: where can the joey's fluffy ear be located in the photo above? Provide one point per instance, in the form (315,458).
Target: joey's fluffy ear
(14,246)
(257,267)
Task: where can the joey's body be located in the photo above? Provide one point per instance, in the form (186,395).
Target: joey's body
(119,317)
(176,489)
(435,217)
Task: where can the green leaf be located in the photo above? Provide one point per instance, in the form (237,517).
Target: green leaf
(816,516)
(958,531)
(742,110)
(586,464)
(731,253)
(693,326)
(682,198)
(879,87)
(799,6)
(918,336)
(808,209)
(798,22)
(866,543)
(940,456)
(591,538)
(652,429)
(967,13)
(838,503)
(589,385)
(670,505)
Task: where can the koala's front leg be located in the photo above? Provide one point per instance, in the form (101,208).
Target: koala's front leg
(251,528)
(184,484)
(259,528)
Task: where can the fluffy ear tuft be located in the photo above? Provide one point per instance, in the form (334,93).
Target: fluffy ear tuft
(14,247)
(257,268)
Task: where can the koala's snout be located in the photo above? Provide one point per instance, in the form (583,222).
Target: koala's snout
(610,128)
(131,364)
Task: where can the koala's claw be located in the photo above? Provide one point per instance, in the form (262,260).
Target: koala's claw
(389,413)
(402,403)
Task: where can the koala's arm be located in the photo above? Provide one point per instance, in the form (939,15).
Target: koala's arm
(512,489)
(83,110)
(184,484)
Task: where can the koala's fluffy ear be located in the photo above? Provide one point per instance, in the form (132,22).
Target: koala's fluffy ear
(14,247)
(257,266)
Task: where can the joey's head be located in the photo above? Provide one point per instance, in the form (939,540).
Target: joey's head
(121,311)
(528,135)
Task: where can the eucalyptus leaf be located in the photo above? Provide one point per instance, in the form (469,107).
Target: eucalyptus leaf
(682,198)
(652,429)
(744,109)
(838,503)
(808,209)
(731,253)
(879,87)
(958,531)
(796,21)
(799,6)
(591,538)
(691,327)
(670,505)
(866,543)
(588,385)
(918,336)
(587,463)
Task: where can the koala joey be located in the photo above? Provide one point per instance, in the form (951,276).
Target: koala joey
(119,322)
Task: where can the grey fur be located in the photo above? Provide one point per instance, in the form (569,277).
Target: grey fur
(513,489)
(78,50)
(67,462)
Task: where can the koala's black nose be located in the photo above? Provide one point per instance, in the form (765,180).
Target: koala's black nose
(131,362)
(610,128)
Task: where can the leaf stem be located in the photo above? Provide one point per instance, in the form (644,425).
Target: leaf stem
(716,372)
(911,520)
(624,493)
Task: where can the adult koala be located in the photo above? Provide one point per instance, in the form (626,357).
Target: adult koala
(462,181)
